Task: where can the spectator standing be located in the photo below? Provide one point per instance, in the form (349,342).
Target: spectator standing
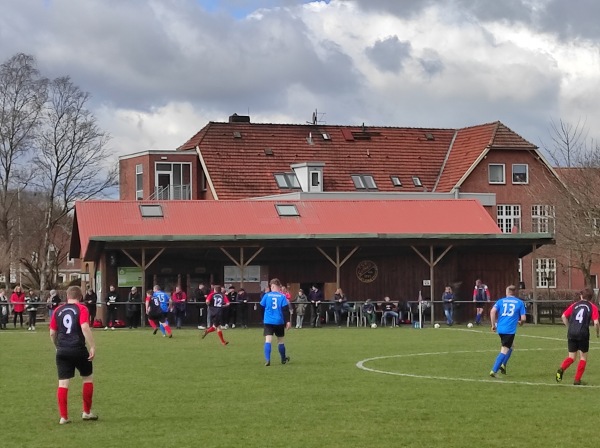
(132,307)
(509,312)
(577,318)
(216,302)
(242,304)
(448,300)
(315,297)
(200,298)
(481,294)
(53,302)
(340,303)
(70,332)
(90,300)
(17,301)
(31,305)
(276,320)
(179,299)
(4,310)
(112,300)
(230,312)
(301,302)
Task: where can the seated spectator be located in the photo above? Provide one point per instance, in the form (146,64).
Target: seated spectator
(368,310)
(389,308)
(340,306)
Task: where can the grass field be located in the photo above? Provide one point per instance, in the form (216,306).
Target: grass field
(423,388)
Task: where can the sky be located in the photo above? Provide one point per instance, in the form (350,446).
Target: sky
(160,70)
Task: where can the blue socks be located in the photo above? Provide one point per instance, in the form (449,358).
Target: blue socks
(162,329)
(500,359)
(281,348)
(268,351)
(507,356)
(478,318)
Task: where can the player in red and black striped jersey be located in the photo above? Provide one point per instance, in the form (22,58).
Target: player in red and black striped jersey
(70,331)
(577,318)
(216,302)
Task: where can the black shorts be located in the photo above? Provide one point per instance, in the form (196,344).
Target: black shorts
(507,340)
(216,317)
(67,362)
(479,304)
(277,330)
(158,317)
(582,345)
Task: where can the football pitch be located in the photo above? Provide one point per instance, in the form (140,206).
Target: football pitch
(343,387)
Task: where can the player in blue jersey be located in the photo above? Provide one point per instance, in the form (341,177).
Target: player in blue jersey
(164,301)
(276,320)
(507,313)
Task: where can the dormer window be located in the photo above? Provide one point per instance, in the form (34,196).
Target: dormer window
(396,182)
(364,182)
(287,180)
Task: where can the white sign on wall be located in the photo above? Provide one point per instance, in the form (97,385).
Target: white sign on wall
(232,274)
(426,282)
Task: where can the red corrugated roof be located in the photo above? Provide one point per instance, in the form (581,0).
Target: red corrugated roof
(108,219)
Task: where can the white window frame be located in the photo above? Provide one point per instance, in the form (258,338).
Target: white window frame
(287,181)
(139,182)
(364,182)
(508,217)
(520,182)
(542,218)
(545,273)
(497,182)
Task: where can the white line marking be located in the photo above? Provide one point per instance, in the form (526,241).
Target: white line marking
(361,365)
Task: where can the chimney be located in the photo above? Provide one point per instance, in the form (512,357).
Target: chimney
(235,118)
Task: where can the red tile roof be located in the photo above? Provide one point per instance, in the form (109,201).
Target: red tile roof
(317,219)
(473,142)
(239,168)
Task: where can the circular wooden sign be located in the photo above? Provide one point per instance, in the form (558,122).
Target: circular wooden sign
(367,271)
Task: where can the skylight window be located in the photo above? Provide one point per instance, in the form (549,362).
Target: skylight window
(364,182)
(396,182)
(287,180)
(287,210)
(151,211)
(417,181)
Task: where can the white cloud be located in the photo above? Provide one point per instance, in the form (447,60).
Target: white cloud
(158,71)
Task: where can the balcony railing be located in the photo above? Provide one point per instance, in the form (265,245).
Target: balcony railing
(172,192)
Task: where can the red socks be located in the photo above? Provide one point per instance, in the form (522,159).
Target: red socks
(167,329)
(152,324)
(580,370)
(566,363)
(220,333)
(61,396)
(88,392)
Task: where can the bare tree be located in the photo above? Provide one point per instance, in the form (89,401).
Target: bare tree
(576,200)
(22,97)
(71,159)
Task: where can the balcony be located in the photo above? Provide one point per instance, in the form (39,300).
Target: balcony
(172,193)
